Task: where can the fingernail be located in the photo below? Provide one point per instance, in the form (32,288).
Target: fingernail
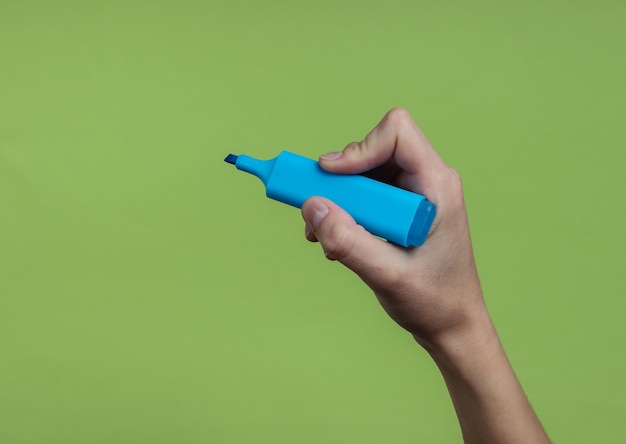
(318,212)
(332,156)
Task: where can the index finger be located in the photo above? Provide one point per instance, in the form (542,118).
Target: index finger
(396,139)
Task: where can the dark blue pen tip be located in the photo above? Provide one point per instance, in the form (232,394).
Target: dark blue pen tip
(231,158)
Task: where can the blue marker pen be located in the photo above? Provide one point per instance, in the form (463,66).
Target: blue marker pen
(398,215)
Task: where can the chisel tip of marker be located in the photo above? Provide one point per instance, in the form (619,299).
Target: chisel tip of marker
(231,158)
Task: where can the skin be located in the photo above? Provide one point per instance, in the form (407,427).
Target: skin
(432,291)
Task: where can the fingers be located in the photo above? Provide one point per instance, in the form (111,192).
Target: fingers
(345,241)
(308,233)
(395,142)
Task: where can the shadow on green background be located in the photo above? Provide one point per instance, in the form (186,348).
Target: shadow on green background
(150,293)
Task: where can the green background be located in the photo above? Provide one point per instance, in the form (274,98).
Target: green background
(150,293)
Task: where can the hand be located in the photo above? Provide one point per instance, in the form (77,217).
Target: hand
(432,290)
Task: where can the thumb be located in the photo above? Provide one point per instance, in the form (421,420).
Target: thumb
(346,242)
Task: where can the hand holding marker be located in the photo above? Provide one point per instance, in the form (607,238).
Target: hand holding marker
(398,215)
(433,292)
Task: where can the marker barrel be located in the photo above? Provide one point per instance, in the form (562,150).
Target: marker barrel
(397,215)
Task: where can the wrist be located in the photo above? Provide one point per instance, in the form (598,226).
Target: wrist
(467,347)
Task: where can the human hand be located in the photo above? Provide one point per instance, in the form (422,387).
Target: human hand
(431,291)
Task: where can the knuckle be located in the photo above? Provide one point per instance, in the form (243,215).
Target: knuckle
(357,151)
(454,173)
(355,148)
(352,146)
(398,117)
(453,187)
(338,243)
(455,180)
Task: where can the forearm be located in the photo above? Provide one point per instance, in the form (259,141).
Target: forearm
(490,403)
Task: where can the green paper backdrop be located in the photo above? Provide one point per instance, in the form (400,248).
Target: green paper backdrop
(150,293)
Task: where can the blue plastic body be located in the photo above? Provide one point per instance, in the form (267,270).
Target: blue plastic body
(398,215)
